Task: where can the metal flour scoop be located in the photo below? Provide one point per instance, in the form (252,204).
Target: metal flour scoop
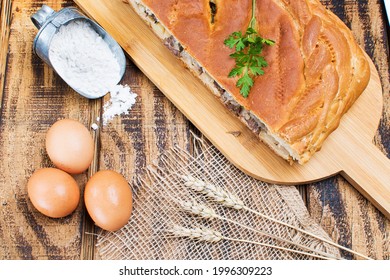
(48,22)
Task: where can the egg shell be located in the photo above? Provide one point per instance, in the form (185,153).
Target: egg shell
(108,199)
(70,146)
(53,192)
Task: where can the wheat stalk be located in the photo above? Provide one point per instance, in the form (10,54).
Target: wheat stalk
(227,199)
(206,212)
(213,236)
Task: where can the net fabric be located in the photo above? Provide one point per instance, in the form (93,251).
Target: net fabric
(157,210)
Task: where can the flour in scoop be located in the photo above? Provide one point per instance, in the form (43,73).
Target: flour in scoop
(83,59)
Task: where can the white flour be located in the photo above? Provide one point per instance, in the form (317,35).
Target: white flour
(94,126)
(121,101)
(82,58)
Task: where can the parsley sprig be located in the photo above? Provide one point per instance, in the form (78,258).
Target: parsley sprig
(249,62)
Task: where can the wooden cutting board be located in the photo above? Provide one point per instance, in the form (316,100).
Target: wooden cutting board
(348,150)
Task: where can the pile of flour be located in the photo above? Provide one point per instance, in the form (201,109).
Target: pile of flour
(121,101)
(83,59)
(85,62)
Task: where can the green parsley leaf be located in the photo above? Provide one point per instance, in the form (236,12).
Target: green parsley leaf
(247,55)
(245,83)
(256,70)
(235,72)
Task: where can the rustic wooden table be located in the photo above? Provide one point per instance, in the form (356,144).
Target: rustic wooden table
(32,97)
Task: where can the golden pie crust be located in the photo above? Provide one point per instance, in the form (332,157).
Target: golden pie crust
(316,69)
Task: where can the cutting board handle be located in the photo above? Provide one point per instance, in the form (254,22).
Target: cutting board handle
(368,170)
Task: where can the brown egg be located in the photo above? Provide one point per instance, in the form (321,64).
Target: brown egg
(108,200)
(53,192)
(70,146)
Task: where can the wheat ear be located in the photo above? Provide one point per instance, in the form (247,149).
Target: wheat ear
(201,233)
(217,194)
(213,236)
(209,213)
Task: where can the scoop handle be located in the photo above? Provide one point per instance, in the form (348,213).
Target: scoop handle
(368,170)
(42,15)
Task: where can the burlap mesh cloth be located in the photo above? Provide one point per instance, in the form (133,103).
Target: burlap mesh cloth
(156,210)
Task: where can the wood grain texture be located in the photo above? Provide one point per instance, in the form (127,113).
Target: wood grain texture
(5,21)
(347,217)
(33,97)
(88,238)
(348,149)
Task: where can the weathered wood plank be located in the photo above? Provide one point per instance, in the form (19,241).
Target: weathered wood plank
(88,237)
(5,21)
(33,98)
